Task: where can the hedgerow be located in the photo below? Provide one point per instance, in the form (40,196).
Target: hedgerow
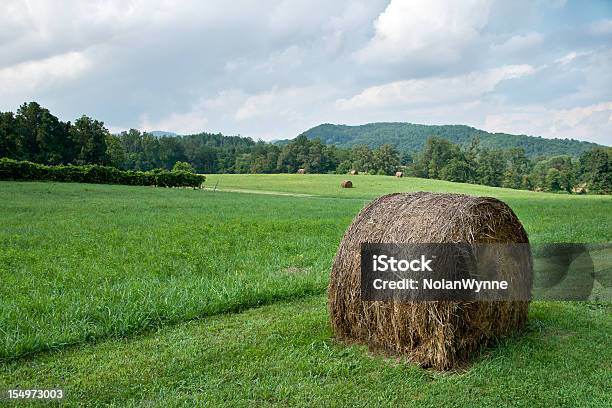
(95,174)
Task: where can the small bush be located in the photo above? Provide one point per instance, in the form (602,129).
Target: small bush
(28,171)
(183,166)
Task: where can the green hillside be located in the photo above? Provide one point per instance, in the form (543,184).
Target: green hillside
(410,137)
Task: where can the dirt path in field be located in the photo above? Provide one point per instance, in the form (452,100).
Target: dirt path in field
(280,193)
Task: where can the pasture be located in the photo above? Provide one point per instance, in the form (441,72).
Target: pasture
(141,295)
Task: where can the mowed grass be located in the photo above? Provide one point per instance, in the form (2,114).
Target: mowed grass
(283,354)
(366,186)
(547,217)
(113,270)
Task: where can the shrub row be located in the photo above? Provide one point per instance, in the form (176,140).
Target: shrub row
(28,171)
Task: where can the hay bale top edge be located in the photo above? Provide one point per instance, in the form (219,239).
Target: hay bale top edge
(444,214)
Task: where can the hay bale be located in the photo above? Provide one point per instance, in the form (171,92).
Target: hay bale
(580,189)
(438,334)
(399,174)
(346,184)
(301,171)
(354,172)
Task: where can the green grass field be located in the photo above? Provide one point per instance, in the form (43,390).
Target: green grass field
(142,295)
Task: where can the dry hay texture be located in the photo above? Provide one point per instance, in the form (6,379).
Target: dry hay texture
(437,334)
(346,184)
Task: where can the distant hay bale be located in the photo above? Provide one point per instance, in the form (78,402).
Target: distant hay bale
(354,172)
(399,174)
(301,171)
(580,189)
(438,334)
(346,184)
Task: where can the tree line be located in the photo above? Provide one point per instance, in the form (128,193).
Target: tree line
(511,168)
(34,134)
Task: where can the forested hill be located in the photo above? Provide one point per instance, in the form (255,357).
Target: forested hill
(409,137)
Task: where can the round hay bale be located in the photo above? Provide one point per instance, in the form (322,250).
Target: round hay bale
(399,174)
(438,334)
(354,172)
(580,189)
(301,171)
(346,184)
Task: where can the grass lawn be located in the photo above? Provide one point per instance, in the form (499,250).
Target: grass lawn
(101,286)
(282,354)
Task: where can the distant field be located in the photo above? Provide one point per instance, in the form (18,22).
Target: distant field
(106,267)
(548,217)
(364,186)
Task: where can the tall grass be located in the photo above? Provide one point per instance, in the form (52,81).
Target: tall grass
(80,262)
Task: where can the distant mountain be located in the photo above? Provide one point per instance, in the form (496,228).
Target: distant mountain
(160,133)
(409,137)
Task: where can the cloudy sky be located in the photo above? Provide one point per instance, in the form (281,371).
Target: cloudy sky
(272,69)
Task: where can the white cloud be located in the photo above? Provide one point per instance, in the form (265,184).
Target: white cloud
(183,123)
(36,29)
(26,77)
(287,59)
(235,106)
(263,104)
(438,29)
(553,3)
(592,122)
(46,29)
(265,114)
(434,91)
(197,118)
(277,103)
(567,58)
(601,27)
(519,43)
(274,71)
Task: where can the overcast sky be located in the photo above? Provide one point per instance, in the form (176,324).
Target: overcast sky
(272,69)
